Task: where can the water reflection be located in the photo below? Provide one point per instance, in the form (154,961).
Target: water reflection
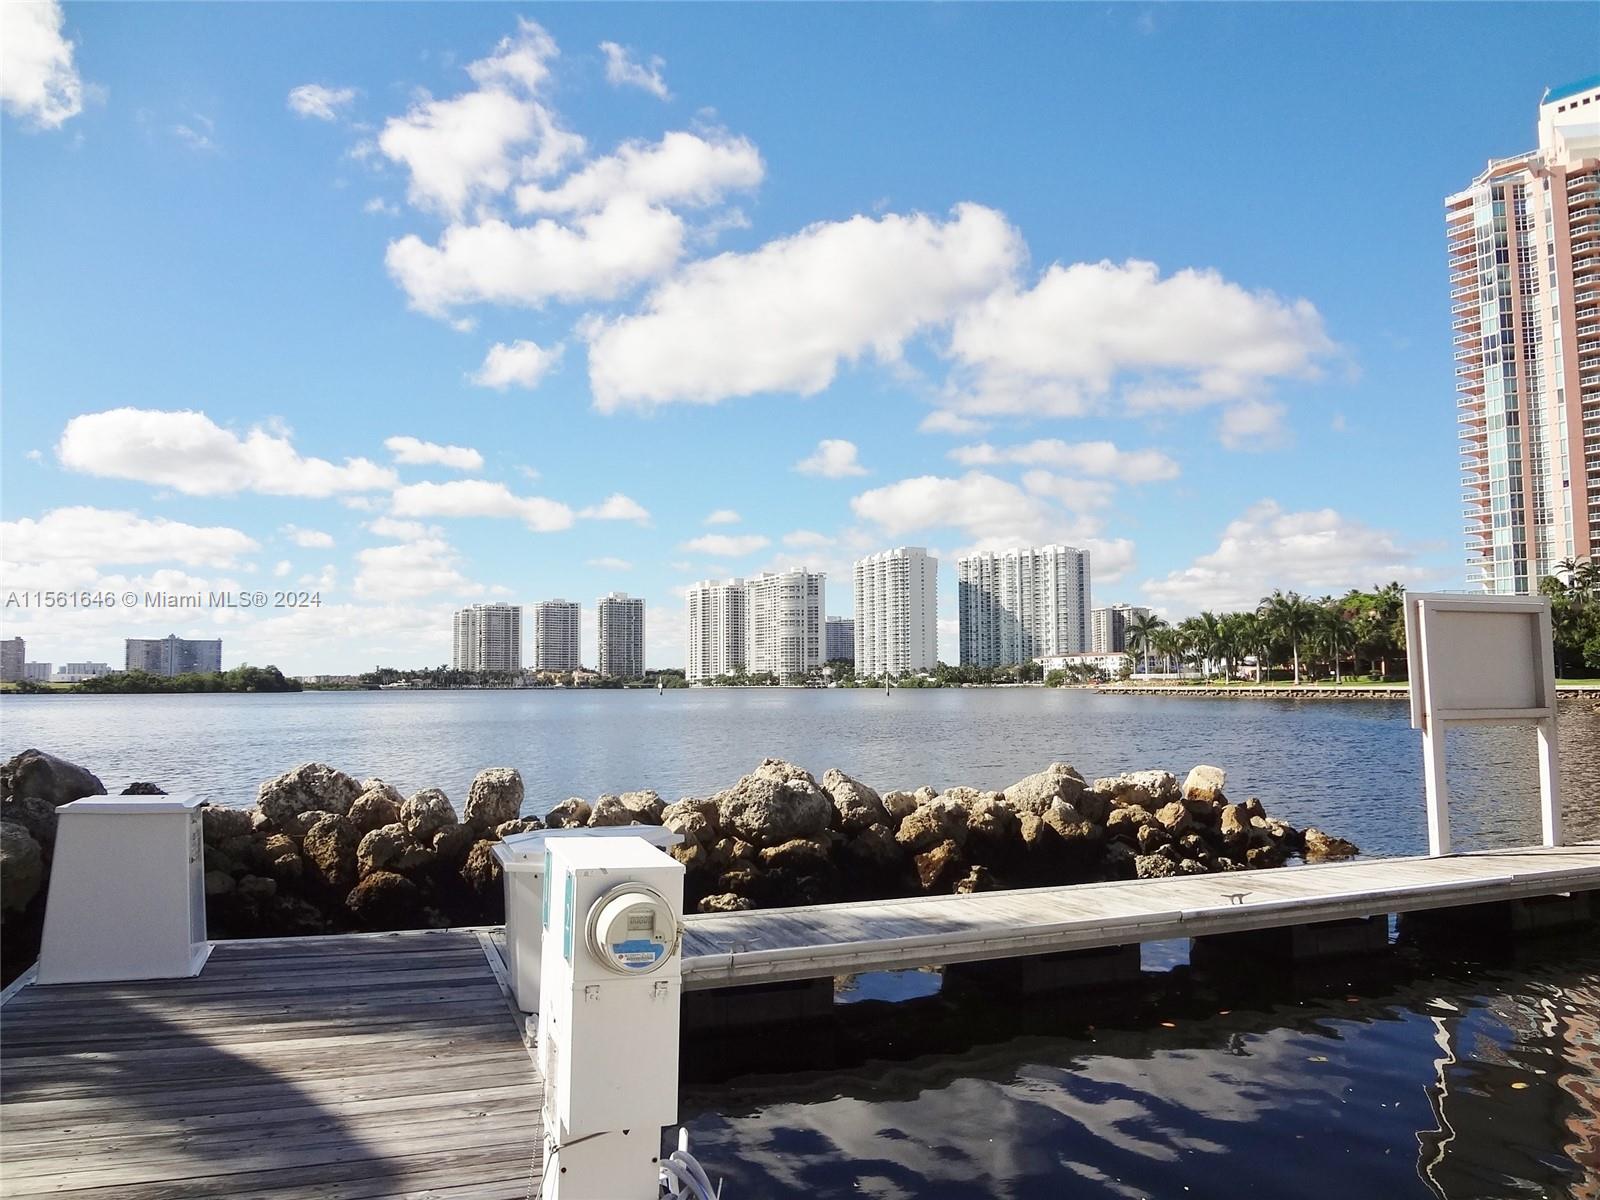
(1444,1079)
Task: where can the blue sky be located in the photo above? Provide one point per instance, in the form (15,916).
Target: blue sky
(660,293)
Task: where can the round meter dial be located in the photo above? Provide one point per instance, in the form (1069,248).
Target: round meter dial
(632,929)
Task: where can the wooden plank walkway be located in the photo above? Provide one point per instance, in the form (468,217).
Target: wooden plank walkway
(776,945)
(343,1068)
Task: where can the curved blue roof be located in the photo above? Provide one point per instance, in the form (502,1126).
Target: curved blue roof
(1570,89)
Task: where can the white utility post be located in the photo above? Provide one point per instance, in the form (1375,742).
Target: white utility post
(522,868)
(609,1015)
(1482,660)
(127,891)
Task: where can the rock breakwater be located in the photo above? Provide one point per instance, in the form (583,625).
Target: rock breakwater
(324,852)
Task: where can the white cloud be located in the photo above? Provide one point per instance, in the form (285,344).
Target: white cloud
(34,456)
(1313,552)
(727,545)
(834,458)
(682,168)
(400,531)
(1090,458)
(380,207)
(806,539)
(1252,425)
(945,421)
(610,564)
(322,103)
(198,140)
(282,568)
(38,80)
(408,570)
(1190,338)
(723,516)
(597,257)
(417,453)
(1074,494)
(521,363)
(623,71)
(98,536)
(617,507)
(311,539)
(783,317)
(190,453)
(480,498)
(477,144)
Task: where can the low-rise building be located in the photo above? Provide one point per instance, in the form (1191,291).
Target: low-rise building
(173,655)
(39,672)
(1109,665)
(77,672)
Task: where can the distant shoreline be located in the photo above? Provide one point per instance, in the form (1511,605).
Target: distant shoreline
(1311,691)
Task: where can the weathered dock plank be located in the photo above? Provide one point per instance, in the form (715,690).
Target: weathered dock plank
(340,1068)
(724,950)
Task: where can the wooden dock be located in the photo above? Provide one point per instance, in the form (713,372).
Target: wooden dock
(343,1068)
(726,950)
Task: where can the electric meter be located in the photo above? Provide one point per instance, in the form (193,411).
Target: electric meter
(632,929)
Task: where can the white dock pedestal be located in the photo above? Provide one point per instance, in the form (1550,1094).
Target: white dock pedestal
(127,891)
(522,869)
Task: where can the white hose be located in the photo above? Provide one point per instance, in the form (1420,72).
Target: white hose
(682,1174)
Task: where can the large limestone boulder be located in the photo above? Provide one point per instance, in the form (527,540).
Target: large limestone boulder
(330,849)
(283,858)
(35,814)
(385,900)
(645,804)
(571,813)
(21,867)
(143,788)
(426,813)
(482,869)
(939,867)
(220,824)
(452,843)
(899,805)
(380,847)
(1069,825)
(939,820)
(1175,818)
(300,824)
(1154,866)
(35,773)
(1058,781)
(797,854)
(690,819)
(855,805)
(494,798)
(521,825)
(377,806)
(775,803)
(309,787)
(1324,847)
(1124,822)
(724,902)
(1205,783)
(1148,790)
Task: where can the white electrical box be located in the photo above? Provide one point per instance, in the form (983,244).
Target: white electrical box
(609,1014)
(522,869)
(127,891)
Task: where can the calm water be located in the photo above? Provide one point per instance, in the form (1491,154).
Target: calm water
(1434,1078)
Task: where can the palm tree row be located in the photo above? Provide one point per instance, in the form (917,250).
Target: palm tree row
(1285,630)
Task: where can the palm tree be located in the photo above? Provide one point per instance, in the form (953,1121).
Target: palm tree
(1293,618)
(1141,631)
(1210,639)
(1168,643)
(1333,624)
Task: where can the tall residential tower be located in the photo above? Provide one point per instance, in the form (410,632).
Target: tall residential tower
(897,612)
(488,637)
(556,635)
(1020,604)
(784,623)
(620,621)
(1524,243)
(716,629)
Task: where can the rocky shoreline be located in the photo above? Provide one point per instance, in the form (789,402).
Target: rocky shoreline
(323,852)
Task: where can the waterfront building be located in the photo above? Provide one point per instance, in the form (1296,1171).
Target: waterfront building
(897,617)
(1108,627)
(488,637)
(783,629)
(1018,605)
(1109,665)
(557,641)
(841,639)
(77,672)
(13,658)
(1524,248)
(717,618)
(620,619)
(173,655)
(39,672)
